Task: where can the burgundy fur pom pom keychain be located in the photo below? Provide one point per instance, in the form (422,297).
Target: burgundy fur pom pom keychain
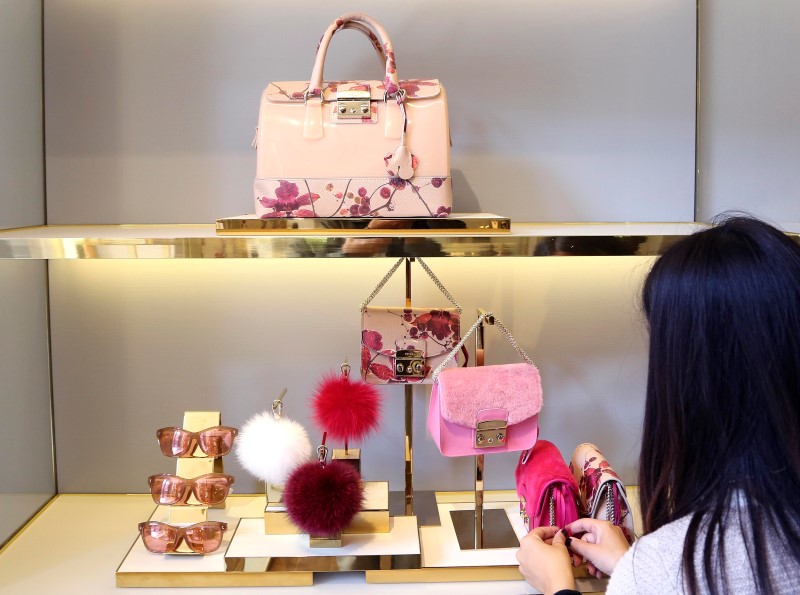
(322,498)
(346,409)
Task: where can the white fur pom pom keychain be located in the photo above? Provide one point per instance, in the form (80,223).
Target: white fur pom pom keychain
(270,446)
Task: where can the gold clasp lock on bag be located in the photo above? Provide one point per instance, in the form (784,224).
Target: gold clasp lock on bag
(409,363)
(490,433)
(352,105)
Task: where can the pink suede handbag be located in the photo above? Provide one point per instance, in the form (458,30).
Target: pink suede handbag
(548,493)
(362,148)
(485,409)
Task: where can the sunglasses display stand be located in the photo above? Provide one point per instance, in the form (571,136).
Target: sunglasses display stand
(195,466)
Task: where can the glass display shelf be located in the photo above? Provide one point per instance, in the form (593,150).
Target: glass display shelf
(203,241)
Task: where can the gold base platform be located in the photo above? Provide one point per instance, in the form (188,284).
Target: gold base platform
(416,549)
(473,223)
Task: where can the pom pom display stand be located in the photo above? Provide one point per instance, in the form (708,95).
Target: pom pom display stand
(373,518)
(351,456)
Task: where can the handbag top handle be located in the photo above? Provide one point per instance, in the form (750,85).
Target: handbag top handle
(427,269)
(390,79)
(370,34)
(503,329)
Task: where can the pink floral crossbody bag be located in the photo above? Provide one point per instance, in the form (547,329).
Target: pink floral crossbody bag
(602,493)
(402,345)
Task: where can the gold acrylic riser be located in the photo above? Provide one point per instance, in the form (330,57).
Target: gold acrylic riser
(373,517)
(190,467)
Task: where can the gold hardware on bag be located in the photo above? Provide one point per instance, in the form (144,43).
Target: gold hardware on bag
(522,512)
(409,363)
(490,433)
(352,105)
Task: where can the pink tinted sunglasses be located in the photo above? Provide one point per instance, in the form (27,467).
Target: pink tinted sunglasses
(216,441)
(202,538)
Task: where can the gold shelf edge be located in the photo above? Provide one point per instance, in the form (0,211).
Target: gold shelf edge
(489,496)
(455,574)
(214,579)
(156,241)
(472,223)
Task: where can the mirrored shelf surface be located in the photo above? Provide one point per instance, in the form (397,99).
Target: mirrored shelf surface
(202,241)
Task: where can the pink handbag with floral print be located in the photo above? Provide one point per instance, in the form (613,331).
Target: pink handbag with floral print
(401,345)
(363,148)
(602,493)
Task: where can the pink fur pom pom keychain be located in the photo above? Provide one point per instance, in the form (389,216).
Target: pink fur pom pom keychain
(321,497)
(346,409)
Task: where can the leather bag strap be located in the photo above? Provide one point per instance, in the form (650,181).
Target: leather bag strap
(369,34)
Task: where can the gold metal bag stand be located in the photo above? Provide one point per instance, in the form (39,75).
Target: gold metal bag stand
(482,528)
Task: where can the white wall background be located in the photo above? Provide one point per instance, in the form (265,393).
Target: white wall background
(576,110)
(26,466)
(21,148)
(140,342)
(749,134)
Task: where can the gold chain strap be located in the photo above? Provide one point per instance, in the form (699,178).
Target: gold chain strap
(426,268)
(506,333)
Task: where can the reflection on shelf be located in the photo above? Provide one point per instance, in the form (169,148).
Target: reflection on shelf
(202,241)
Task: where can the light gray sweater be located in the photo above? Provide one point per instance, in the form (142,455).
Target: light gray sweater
(653,564)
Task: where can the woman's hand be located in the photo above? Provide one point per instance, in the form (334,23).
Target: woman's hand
(601,545)
(544,560)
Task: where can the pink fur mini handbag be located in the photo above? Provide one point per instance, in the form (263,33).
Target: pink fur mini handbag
(485,409)
(359,148)
(548,493)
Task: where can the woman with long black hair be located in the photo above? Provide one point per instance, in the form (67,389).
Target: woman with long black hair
(719,470)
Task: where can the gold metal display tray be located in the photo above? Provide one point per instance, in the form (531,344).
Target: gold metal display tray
(418,549)
(476,223)
(202,241)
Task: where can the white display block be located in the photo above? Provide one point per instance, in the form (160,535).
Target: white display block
(141,560)
(440,548)
(251,542)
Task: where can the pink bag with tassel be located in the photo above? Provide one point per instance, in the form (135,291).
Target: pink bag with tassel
(548,493)
(363,148)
